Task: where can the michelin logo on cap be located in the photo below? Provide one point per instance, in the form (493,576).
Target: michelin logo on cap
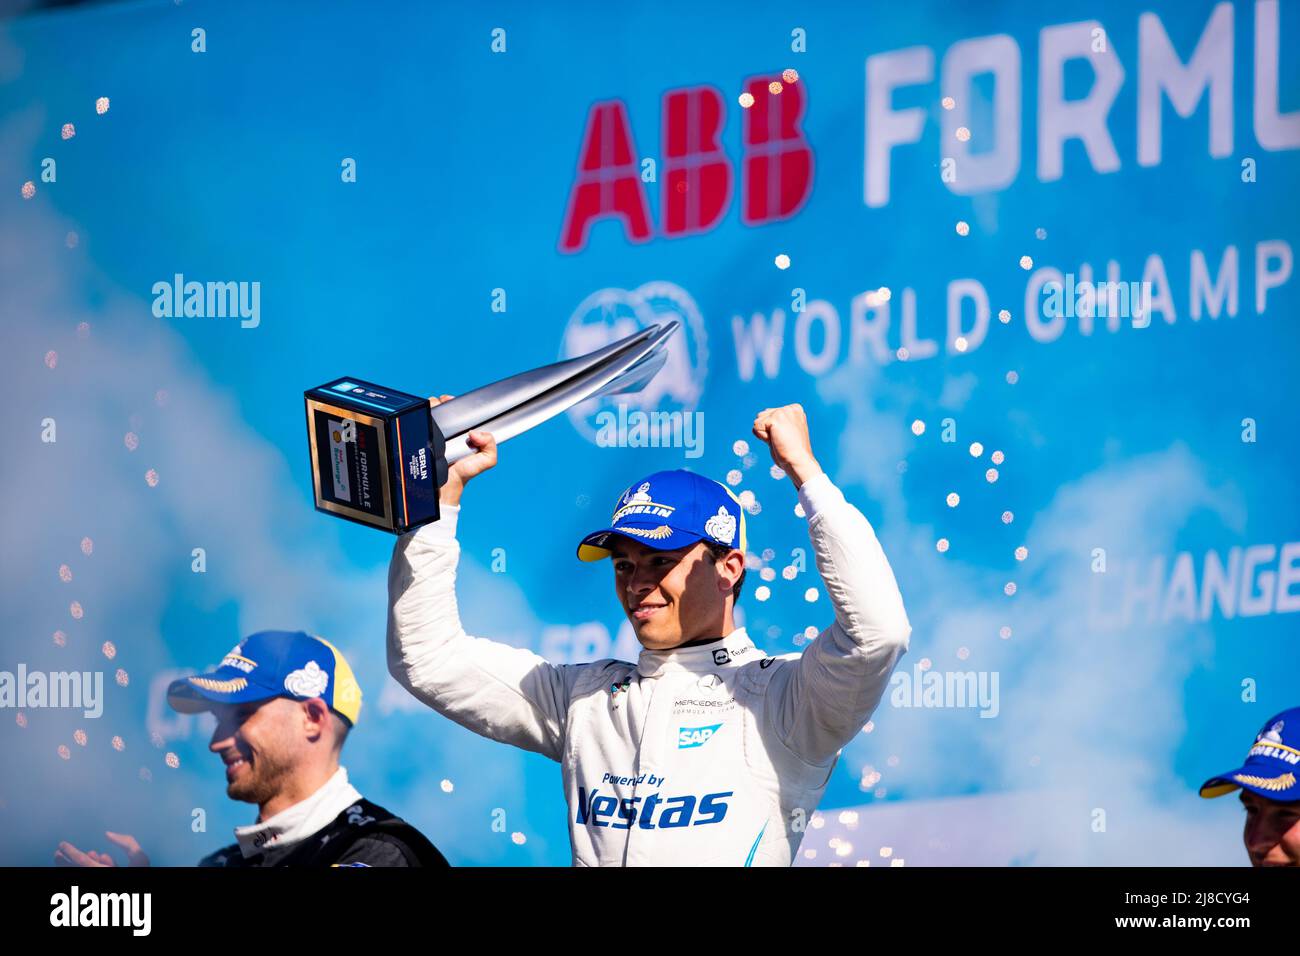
(721,527)
(1270,744)
(641,503)
(238,661)
(309,681)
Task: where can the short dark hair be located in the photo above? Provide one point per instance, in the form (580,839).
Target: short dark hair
(720,551)
(341,730)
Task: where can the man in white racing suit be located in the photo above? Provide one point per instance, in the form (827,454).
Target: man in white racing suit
(705,751)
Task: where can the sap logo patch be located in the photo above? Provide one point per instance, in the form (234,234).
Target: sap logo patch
(688,737)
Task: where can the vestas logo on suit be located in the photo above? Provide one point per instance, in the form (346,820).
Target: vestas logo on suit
(695,175)
(654,812)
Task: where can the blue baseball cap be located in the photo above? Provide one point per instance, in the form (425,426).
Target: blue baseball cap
(268,664)
(671,509)
(1270,767)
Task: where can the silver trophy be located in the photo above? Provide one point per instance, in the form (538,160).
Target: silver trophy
(379,456)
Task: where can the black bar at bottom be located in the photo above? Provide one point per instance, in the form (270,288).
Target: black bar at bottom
(386,908)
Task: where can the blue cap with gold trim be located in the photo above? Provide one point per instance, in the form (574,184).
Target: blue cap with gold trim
(668,510)
(268,664)
(1271,766)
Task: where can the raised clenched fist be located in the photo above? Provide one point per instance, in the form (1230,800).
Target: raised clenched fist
(785,430)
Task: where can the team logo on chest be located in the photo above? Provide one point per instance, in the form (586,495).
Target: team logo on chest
(708,698)
(617,691)
(690,737)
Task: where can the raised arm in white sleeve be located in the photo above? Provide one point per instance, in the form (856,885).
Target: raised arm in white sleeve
(506,693)
(824,699)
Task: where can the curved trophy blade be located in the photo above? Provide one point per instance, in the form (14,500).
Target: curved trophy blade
(637,377)
(630,365)
(472,409)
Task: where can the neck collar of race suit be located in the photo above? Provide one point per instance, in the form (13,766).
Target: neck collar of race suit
(734,649)
(294,824)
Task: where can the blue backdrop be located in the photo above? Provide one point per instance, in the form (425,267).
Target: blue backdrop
(432,196)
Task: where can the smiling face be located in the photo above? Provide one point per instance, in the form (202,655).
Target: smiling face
(672,597)
(265,744)
(1272,833)
(253,740)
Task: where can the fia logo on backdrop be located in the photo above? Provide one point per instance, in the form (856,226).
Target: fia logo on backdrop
(610,314)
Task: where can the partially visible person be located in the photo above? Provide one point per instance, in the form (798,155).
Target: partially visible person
(285,702)
(1269,791)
